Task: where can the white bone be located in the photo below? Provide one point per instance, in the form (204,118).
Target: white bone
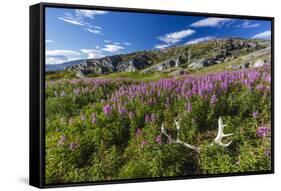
(177,140)
(221,135)
(218,139)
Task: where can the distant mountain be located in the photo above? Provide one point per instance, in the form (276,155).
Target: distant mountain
(177,59)
(58,67)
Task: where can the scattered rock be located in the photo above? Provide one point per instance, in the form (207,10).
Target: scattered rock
(240,66)
(260,63)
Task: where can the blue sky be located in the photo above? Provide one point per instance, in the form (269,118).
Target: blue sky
(73,34)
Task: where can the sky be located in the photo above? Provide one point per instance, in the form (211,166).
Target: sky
(74,34)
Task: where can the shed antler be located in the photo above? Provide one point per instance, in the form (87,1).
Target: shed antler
(178,140)
(218,139)
(221,135)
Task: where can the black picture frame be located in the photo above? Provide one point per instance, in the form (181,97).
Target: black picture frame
(37,96)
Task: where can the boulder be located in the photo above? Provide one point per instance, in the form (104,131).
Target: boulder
(196,65)
(260,63)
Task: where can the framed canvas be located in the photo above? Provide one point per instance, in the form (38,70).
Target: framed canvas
(121,95)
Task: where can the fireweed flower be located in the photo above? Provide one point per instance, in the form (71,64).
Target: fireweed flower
(189,107)
(260,87)
(138,132)
(131,115)
(122,110)
(267,153)
(143,143)
(214,99)
(256,114)
(73,146)
(158,139)
(153,117)
(62,140)
(62,94)
(268,78)
(76,91)
(107,109)
(262,131)
(147,118)
(94,119)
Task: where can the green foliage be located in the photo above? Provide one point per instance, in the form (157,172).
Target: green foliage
(86,142)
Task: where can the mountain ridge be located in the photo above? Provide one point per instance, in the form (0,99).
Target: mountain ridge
(191,56)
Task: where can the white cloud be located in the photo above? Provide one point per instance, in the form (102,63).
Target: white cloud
(210,22)
(162,46)
(97,27)
(69,18)
(263,35)
(247,24)
(112,48)
(61,52)
(79,19)
(100,12)
(93,54)
(126,43)
(172,38)
(198,40)
(107,41)
(95,31)
(88,13)
(61,56)
(49,41)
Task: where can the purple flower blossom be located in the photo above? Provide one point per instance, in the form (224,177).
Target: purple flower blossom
(263,131)
(158,139)
(62,140)
(153,117)
(267,153)
(147,118)
(76,91)
(214,99)
(107,109)
(131,115)
(256,114)
(94,119)
(152,101)
(73,146)
(138,132)
(189,107)
(143,143)
(62,94)
(122,110)
(260,87)
(268,78)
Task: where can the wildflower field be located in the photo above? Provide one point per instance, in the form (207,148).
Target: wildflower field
(109,129)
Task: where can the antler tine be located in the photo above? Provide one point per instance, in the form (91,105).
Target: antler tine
(221,135)
(178,140)
(218,139)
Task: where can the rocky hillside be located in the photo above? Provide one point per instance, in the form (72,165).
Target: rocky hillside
(183,58)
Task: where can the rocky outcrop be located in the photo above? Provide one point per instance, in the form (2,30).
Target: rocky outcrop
(173,62)
(112,64)
(194,56)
